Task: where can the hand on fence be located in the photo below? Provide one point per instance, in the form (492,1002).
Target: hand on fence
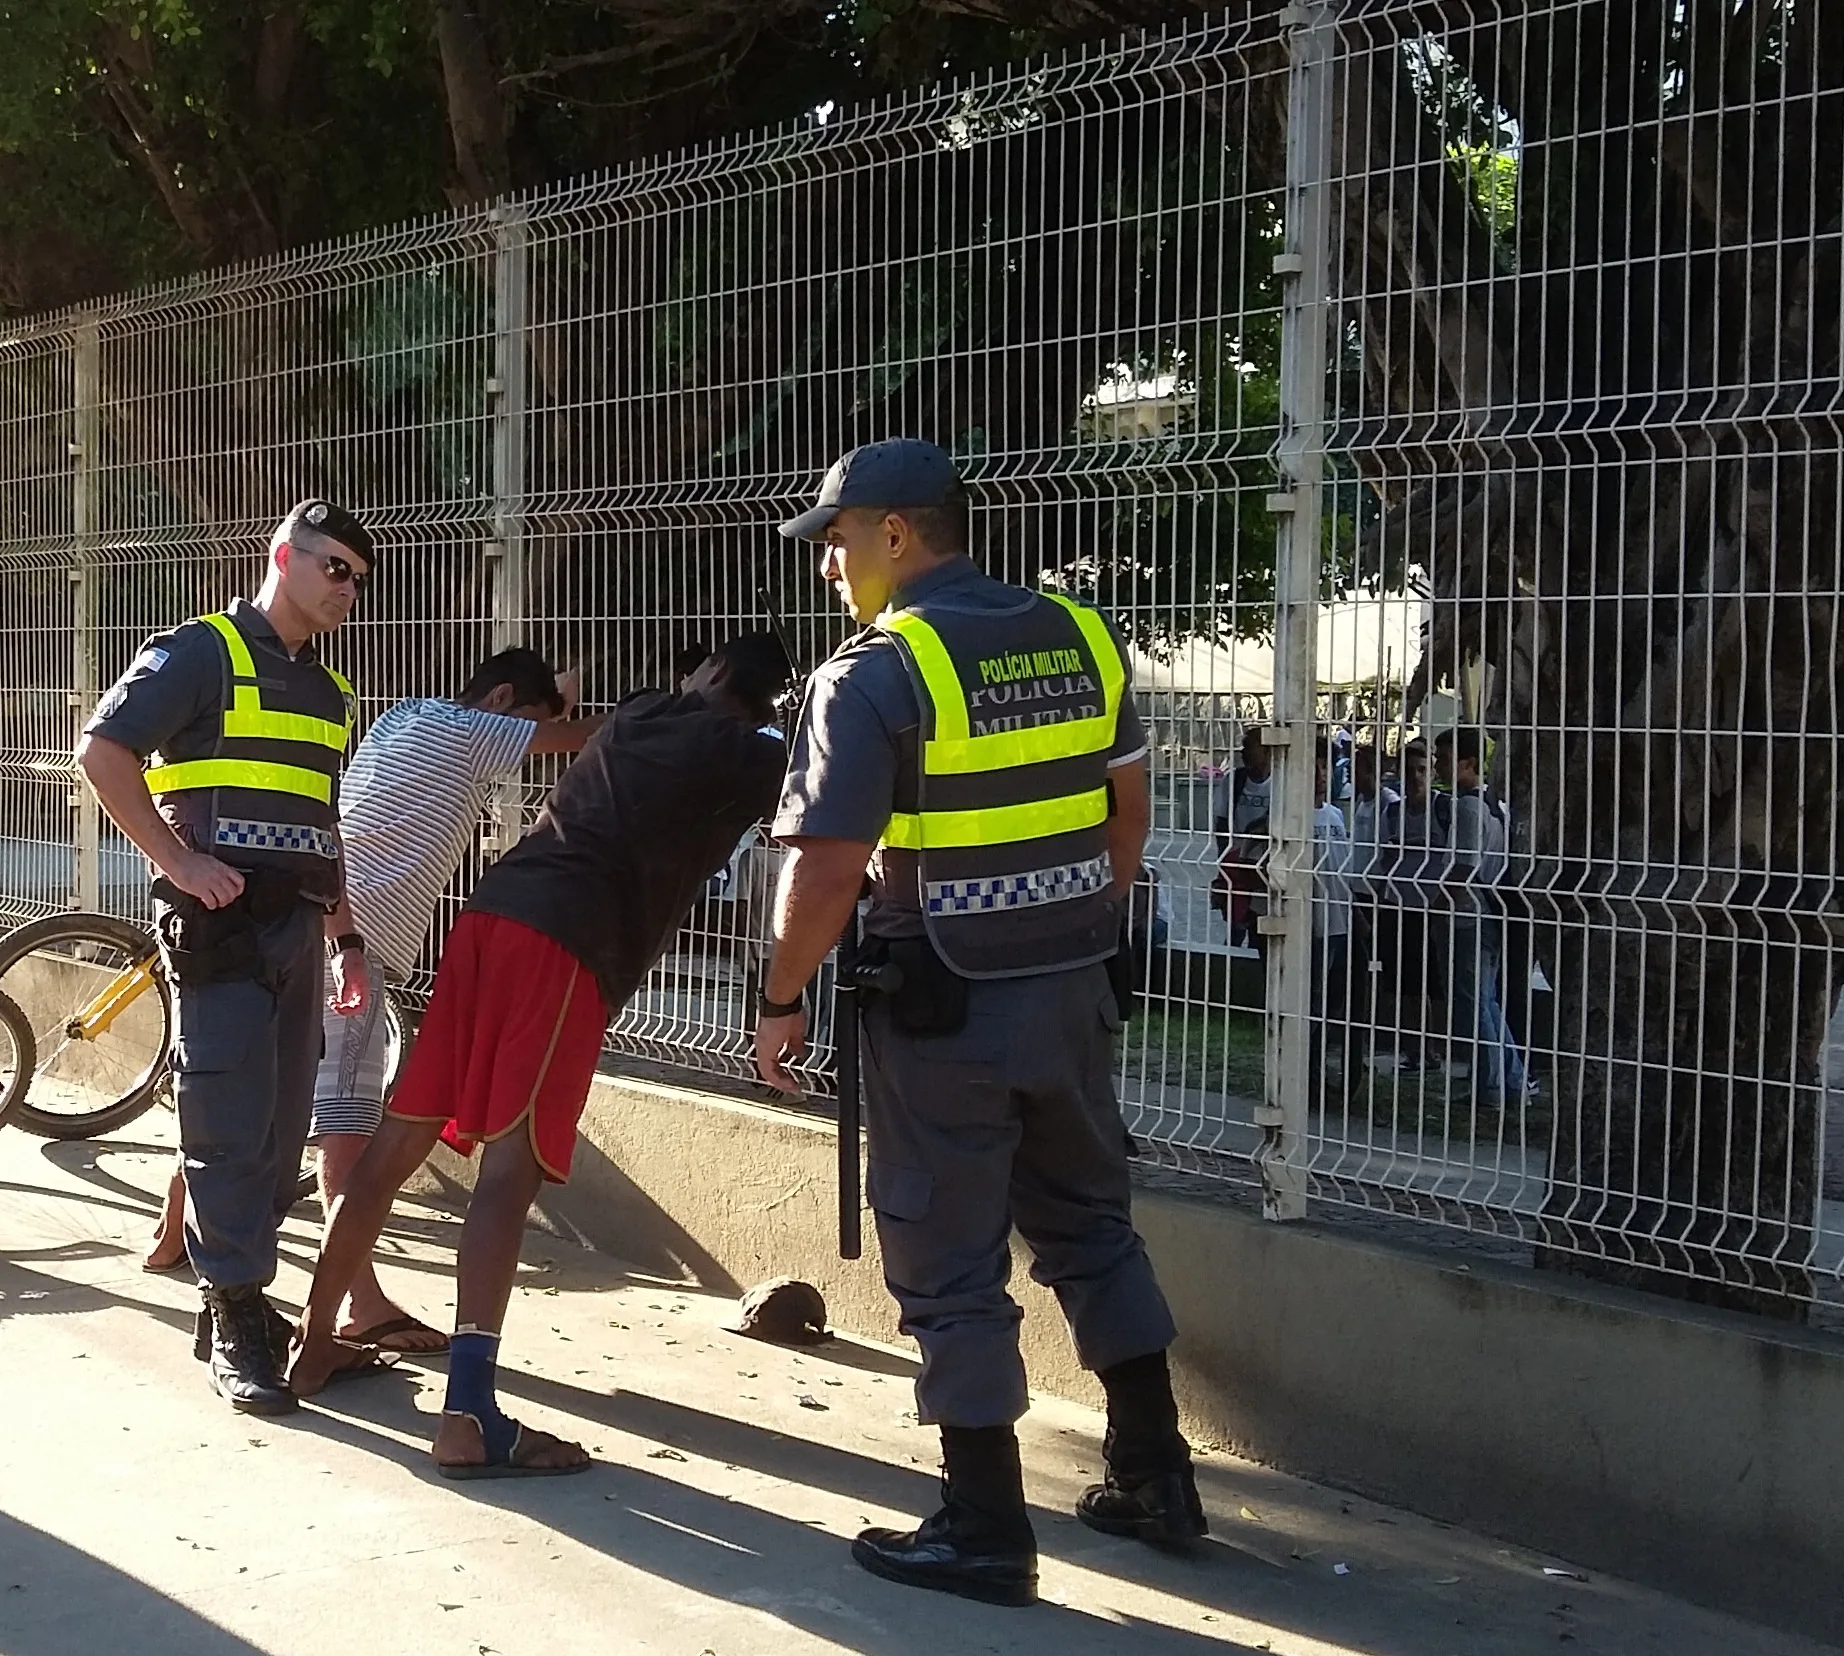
(570,687)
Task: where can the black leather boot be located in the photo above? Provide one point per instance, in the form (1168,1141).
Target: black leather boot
(1150,1490)
(979,1545)
(281,1335)
(241,1358)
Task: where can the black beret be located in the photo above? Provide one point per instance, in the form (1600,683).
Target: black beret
(336,523)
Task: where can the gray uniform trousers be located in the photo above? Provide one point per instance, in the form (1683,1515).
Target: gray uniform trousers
(1011,1121)
(244,1057)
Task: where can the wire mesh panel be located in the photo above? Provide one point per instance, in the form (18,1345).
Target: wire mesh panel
(37,722)
(1386,373)
(1061,273)
(1584,398)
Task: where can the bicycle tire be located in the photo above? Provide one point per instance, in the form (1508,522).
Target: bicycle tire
(47,1016)
(18,1057)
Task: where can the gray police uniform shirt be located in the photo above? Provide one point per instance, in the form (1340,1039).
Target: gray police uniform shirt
(171,701)
(860,728)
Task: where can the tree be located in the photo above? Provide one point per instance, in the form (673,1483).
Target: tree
(1600,421)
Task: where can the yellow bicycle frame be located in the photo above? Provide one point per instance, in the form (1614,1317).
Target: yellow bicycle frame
(93,1022)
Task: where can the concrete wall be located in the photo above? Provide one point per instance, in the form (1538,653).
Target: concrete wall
(1699,1452)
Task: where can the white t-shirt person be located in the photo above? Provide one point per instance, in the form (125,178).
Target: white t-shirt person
(410,803)
(1331,860)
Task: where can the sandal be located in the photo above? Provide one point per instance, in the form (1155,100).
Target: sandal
(381,1335)
(510,1465)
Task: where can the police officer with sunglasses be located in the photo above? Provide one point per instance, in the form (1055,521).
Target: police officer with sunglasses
(218,754)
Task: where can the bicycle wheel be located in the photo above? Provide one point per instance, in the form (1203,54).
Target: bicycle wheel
(95,996)
(17,1055)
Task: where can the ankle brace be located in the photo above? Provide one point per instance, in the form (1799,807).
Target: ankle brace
(473,1364)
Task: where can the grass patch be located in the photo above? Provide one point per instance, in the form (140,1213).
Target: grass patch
(1214,1051)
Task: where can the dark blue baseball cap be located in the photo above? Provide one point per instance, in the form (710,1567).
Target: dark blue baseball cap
(902,471)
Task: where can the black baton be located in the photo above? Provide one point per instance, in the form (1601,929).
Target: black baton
(845,1043)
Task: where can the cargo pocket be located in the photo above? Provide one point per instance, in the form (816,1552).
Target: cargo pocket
(898,1192)
(210,1052)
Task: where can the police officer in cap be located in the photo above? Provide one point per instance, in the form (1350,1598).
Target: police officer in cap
(218,754)
(977,746)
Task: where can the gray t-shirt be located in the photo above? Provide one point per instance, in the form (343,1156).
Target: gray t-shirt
(1479,848)
(859,729)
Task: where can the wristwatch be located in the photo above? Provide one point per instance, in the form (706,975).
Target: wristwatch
(767,1008)
(343,942)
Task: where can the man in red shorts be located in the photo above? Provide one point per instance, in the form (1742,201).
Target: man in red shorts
(555,938)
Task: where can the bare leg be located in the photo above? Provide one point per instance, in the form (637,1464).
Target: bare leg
(357,1219)
(366,1305)
(489,1260)
(167,1251)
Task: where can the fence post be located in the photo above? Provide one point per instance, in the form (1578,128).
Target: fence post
(1285,1113)
(506,411)
(85,458)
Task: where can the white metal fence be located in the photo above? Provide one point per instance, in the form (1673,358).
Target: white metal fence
(1382,369)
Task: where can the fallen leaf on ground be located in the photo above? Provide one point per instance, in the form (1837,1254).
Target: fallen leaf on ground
(664,1454)
(1250,1514)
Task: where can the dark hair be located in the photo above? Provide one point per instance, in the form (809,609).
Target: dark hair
(693,655)
(528,673)
(756,671)
(1467,742)
(1414,748)
(946,529)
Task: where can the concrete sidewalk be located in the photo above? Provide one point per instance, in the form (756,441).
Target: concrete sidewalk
(137,1512)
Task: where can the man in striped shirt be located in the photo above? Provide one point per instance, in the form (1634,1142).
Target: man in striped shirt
(410,805)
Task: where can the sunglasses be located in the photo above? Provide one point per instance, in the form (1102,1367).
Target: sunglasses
(339,571)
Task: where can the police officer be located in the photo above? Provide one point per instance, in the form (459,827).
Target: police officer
(977,746)
(218,755)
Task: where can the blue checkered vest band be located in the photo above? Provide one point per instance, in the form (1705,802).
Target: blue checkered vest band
(1008,803)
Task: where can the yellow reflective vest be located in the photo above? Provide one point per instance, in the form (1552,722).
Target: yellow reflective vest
(270,773)
(1008,808)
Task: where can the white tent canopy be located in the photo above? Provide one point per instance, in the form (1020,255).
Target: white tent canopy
(1363,641)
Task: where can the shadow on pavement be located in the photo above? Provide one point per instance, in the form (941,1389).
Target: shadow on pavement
(53,1599)
(781,1567)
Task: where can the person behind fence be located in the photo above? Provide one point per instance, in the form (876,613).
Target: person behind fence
(409,806)
(1404,874)
(218,754)
(1147,928)
(977,746)
(1371,801)
(1331,919)
(1477,862)
(1244,797)
(555,938)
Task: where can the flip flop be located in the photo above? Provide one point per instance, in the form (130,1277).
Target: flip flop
(509,1467)
(375,1362)
(379,1335)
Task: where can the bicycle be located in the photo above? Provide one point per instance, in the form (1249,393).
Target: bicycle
(17,1057)
(98,1017)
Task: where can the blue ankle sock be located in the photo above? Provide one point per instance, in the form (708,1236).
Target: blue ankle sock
(473,1361)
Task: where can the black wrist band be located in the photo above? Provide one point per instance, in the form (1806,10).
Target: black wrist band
(345,941)
(767,1008)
